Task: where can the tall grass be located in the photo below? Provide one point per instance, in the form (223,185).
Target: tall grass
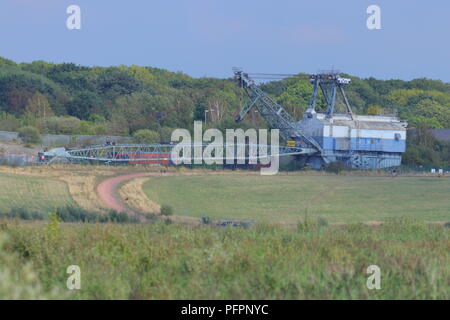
(170,261)
(19,280)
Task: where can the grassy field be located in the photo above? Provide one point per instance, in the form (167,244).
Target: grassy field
(310,260)
(287,198)
(33,193)
(160,261)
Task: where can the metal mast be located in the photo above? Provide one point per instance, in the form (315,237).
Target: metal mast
(330,83)
(275,115)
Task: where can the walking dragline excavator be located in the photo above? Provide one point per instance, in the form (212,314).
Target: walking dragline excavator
(364,142)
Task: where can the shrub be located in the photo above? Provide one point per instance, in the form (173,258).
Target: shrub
(37,216)
(335,167)
(146,136)
(8,122)
(310,225)
(166,210)
(29,134)
(247,224)
(92,128)
(53,230)
(75,214)
(206,220)
(22,213)
(322,222)
(166,134)
(71,214)
(118,217)
(63,125)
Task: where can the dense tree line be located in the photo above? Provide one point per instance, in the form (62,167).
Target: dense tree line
(424,149)
(125,100)
(71,99)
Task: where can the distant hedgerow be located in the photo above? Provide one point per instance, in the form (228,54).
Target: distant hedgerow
(71,214)
(23,214)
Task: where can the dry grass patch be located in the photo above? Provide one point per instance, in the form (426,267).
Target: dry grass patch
(132,194)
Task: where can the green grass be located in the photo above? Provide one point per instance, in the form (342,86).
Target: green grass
(161,261)
(32,193)
(287,198)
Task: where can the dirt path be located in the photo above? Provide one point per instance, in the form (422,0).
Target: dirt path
(112,191)
(108,193)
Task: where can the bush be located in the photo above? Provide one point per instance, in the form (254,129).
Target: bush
(8,122)
(118,217)
(29,134)
(206,220)
(24,214)
(166,210)
(71,214)
(91,128)
(75,214)
(37,216)
(146,136)
(335,167)
(63,125)
(166,134)
(322,222)
(310,225)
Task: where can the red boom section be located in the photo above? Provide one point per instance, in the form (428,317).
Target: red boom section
(153,157)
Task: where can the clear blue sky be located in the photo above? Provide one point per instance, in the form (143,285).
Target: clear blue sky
(209,37)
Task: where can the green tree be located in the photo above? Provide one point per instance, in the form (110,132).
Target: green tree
(29,135)
(166,134)
(63,125)
(146,136)
(114,82)
(375,110)
(38,106)
(139,111)
(84,104)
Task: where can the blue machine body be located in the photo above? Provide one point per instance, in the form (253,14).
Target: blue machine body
(364,142)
